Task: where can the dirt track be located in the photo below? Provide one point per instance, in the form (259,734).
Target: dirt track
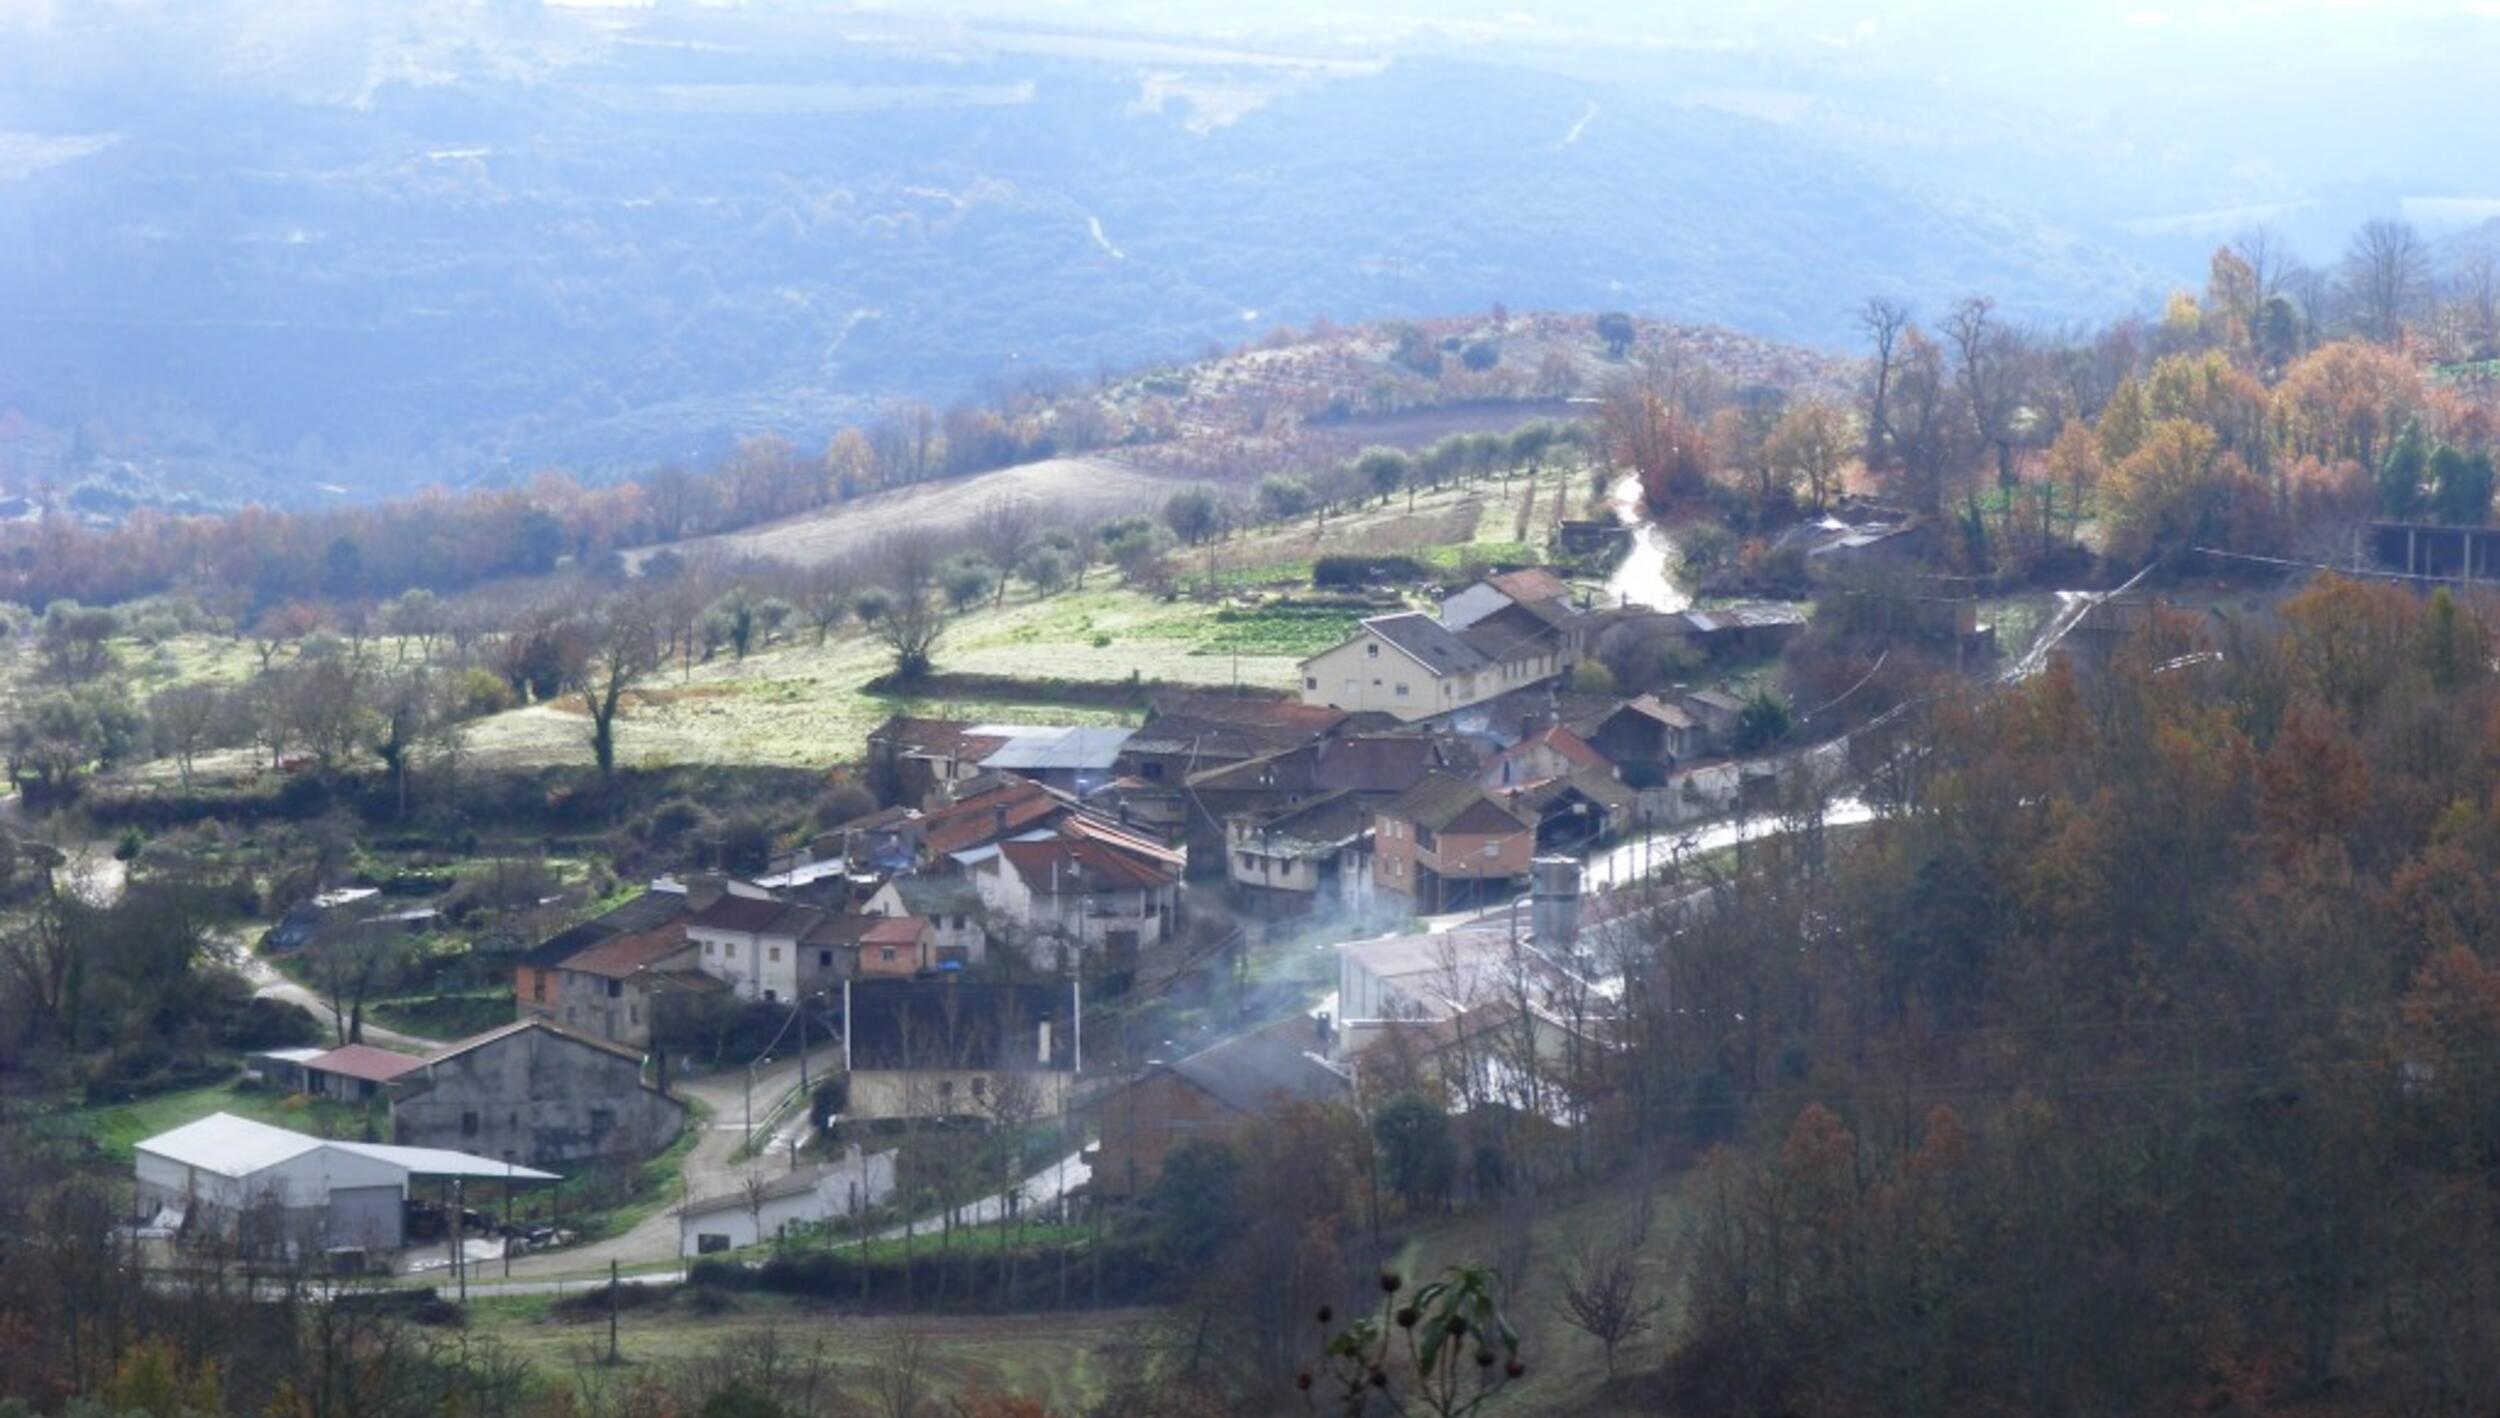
(1058,488)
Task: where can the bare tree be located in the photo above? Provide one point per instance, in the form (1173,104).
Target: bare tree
(624,642)
(1602,1294)
(899,1380)
(1002,528)
(349,964)
(186,719)
(2474,304)
(825,599)
(2267,257)
(1884,322)
(1989,361)
(2386,272)
(755,1189)
(916,617)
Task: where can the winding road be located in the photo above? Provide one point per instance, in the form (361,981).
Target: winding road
(1646,576)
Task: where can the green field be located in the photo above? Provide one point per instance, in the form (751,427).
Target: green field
(1057,1357)
(454,1016)
(115,1128)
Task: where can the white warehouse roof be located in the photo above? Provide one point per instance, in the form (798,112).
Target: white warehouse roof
(229,1146)
(239,1147)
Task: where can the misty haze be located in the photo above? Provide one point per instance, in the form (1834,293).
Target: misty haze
(994,709)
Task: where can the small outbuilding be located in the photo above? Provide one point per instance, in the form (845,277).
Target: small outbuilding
(770,1206)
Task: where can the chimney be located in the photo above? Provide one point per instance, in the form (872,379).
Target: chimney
(1554,904)
(704,888)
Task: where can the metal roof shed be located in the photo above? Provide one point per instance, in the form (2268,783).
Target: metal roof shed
(298,1191)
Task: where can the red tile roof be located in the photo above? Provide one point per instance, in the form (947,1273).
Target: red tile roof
(1533,583)
(1080,867)
(1079,825)
(894,930)
(988,817)
(627,955)
(1570,745)
(363,1061)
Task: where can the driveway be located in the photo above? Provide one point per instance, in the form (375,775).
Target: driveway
(711,1168)
(269,982)
(656,1238)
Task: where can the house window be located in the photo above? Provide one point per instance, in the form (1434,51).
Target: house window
(633,1015)
(616,989)
(1372,650)
(980,1087)
(946,1093)
(1310,681)
(1401,689)
(824,960)
(468,1124)
(602,1119)
(772,996)
(776,955)
(1247,864)
(538,986)
(1492,850)
(707,947)
(886,954)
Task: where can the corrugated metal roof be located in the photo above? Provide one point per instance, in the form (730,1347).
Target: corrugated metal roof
(1041,748)
(229,1146)
(363,1061)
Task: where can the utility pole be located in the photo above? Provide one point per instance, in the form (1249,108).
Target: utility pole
(459,1242)
(612,1283)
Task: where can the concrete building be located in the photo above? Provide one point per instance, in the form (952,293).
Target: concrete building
(1529,586)
(1073,897)
(1213,1095)
(1312,854)
(533,1093)
(278,1192)
(1472,1003)
(897,945)
(958,918)
(951,1048)
(1411,666)
(826,1192)
(618,988)
(1446,843)
(768,950)
(354,1073)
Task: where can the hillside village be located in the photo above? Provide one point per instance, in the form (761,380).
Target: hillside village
(1505,862)
(945,948)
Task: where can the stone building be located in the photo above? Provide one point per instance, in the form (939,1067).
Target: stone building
(534,1093)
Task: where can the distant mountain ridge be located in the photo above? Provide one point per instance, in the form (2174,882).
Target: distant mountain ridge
(638,260)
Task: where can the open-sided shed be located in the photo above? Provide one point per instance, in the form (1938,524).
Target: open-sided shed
(288,1191)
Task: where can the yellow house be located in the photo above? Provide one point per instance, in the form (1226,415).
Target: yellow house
(1411,666)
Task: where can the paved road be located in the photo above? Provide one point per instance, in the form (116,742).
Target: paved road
(584,1267)
(710,1169)
(269,982)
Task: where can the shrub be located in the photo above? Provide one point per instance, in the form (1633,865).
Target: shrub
(1344,571)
